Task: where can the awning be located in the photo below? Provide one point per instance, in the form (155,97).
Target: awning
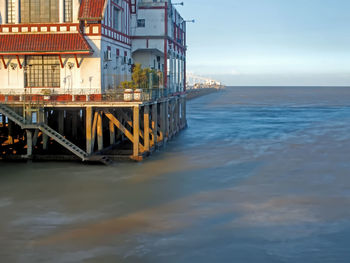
(44,44)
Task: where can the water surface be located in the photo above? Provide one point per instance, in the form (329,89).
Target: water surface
(260,175)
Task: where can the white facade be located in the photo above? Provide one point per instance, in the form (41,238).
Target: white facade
(117,40)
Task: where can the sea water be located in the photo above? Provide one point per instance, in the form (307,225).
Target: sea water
(262,174)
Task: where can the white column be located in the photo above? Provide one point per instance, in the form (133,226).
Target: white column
(61,14)
(17,10)
(2,12)
(76,6)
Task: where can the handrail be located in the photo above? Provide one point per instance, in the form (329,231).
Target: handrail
(145,95)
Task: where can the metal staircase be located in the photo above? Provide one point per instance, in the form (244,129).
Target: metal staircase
(13,116)
(19,120)
(63,141)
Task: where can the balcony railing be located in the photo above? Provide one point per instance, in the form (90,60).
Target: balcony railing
(147,95)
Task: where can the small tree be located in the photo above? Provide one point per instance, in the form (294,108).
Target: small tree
(137,75)
(144,78)
(127,85)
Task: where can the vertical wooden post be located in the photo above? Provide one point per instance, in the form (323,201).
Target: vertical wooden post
(61,122)
(171,128)
(45,137)
(35,137)
(166,106)
(179,114)
(88,129)
(155,123)
(184,112)
(111,133)
(136,128)
(146,133)
(11,125)
(74,124)
(176,115)
(162,121)
(99,132)
(29,143)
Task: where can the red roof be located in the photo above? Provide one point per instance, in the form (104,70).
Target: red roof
(92,9)
(66,43)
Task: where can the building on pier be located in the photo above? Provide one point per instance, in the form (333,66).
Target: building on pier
(60,61)
(89,46)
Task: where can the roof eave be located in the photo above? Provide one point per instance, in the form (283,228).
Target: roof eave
(16,53)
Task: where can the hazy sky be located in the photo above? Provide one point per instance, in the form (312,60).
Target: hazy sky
(269,42)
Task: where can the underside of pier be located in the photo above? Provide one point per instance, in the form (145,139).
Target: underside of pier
(89,132)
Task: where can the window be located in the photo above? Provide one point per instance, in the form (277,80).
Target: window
(39,11)
(68,10)
(141,22)
(10,11)
(116,13)
(42,71)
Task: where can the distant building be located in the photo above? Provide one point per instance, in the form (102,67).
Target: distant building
(88,46)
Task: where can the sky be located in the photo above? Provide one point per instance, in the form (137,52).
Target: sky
(269,42)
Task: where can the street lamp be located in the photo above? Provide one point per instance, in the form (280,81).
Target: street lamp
(182,3)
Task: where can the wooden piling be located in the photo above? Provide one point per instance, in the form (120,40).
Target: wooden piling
(99,132)
(29,143)
(74,124)
(11,125)
(88,130)
(155,123)
(166,106)
(136,131)
(112,135)
(146,133)
(45,137)
(162,121)
(61,121)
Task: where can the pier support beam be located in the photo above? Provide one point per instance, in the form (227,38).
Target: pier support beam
(166,106)
(155,123)
(146,133)
(45,137)
(75,124)
(136,132)
(61,122)
(29,143)
(35,137)
(183,112)
(88,130)
(99,132)
(11,125)
(161,122)
(171,118)
(111,133)
(177,115)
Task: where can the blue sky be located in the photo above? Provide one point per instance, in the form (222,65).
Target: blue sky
(269,42)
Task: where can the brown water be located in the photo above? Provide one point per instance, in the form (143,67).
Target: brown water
(261,175)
